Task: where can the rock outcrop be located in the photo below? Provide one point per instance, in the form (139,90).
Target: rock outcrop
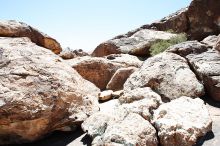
(13,28)
(137,44)
(67,53)
(207,67)
(39,93)
(100,70)
(199,20)
(167,74)
(182,121)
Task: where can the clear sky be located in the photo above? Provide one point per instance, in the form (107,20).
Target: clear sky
(83,24)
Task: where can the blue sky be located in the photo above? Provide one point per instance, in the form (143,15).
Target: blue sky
(86,23)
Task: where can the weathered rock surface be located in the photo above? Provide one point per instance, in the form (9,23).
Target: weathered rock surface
(118,79)
(210,40)
(167,74)
(39,93)
(141,101)
(70,54)
(137,44)
(207,67)
(100,70)
(120,128)
(182,121)
(188,47)
(13,28)
(124,121)
(105,95)
(217,45)
(128,60)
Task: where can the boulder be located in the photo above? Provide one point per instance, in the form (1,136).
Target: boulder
(100,70)
(39,93)
(70,54)
(128,60)
(120,128)
(105,95)
(141,101)
(188,47)
(207,67)
(182,121)
(118,79)
(167,74)
(210,40)
(137,44)
(217,45)
(12,28)
(96,70)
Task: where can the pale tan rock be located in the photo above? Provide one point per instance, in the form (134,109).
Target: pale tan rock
(167,74)
(118,79)
(12,28)
(137,44)
(217,44)
(105,95)
(118,93)
(207,68)
(182,121)
(39,93)
(210,40)
(68,53)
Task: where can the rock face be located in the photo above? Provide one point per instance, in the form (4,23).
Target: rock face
(118,79)
(70,54)
(182,121)
(188,47)
(39,93)
(137,44)
(217,45)
(199,20)
(206,15)
(207,67)
(100,70)
(13,28)
(125,121)
(169,75)
(210,40)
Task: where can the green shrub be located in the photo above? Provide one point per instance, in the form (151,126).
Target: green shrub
(162,45)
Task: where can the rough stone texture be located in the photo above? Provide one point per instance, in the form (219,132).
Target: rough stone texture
(207,68)
(120,128)
(188,47)
(100,70)
(169,75)
(204,18)
(96,70)
(13,28)
(128,60)
(39,93)
(118,79)
(137,44)
(217,45)
(105,95)
(182,121)
(210,40)
(177,22)
(141,101)
(70,54)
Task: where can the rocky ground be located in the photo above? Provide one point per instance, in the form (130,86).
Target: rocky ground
(121,94)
